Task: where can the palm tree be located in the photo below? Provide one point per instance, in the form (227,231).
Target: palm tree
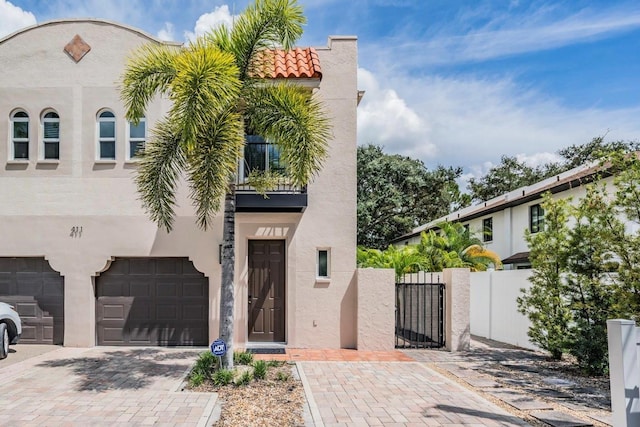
(454,246)
(403,260)
(217,95)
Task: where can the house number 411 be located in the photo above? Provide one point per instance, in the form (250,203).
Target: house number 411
(76,231)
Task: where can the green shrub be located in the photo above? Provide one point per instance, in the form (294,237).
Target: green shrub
(196,379)
(274,363)
(222,377)
(242,358)
(282,376)
(204,367)
(259,369)
(244,379)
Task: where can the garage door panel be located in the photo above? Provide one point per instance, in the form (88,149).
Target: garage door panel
(160,313)
(167,288)
(140,310)
(193,289)
(37,292)
(139,288)
(141,266)
(169,266)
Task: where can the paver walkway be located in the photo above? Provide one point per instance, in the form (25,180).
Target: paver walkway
(102,386)
(393,394)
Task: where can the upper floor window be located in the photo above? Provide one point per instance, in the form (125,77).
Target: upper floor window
(536,218)
(262,156)
(487,229)
(106,136)
(20,135)
(51,135)
(137,138)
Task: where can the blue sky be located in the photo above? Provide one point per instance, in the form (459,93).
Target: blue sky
(450,82)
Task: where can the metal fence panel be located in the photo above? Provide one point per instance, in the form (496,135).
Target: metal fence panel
(420,311)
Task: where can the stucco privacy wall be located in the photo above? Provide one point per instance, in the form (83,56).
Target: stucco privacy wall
(376,309)
(44,200)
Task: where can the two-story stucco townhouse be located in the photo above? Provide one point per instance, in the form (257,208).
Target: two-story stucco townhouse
(501,222)
(79,256)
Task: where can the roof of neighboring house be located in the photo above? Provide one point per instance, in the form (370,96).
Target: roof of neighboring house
(517,258)
(296,63)
(570,179)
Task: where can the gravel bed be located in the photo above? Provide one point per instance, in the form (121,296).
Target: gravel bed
(268,402)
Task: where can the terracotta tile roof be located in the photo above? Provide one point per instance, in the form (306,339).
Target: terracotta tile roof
(296,63)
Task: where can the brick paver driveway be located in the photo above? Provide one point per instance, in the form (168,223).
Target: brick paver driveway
(394,394)
(102,386)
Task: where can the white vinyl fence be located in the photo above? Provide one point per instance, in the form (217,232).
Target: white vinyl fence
(494,307)
(624,372)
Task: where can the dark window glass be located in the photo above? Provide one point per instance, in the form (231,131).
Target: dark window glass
(20,150)
(107,129)
(107,114)
(136,131)
(21,129)
(107,150)
(51,150)
(323,263)
(135,148)
(487,229)
(52,130)
(536,218)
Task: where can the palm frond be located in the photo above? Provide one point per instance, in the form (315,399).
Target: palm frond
(212,163)
(160,165)
(206,84)
(293,120)
(264,25)
(149,71)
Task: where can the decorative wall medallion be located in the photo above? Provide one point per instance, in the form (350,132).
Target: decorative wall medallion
(77,48)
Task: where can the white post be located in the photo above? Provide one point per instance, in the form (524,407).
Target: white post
(624,372)
(457,308)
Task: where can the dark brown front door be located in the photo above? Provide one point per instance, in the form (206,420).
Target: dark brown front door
(266,290)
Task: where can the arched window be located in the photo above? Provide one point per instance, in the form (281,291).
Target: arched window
(137,138)
(20,135)
(106,136)
(51,135)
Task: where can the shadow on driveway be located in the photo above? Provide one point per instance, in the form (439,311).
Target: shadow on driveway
(126,369)
(508,420)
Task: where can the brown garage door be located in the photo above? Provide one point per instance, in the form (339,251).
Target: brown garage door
(37,292)
(152,301)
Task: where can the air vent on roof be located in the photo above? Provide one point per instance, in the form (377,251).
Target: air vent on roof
(523,192)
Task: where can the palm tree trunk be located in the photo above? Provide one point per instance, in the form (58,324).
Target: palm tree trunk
(227,289)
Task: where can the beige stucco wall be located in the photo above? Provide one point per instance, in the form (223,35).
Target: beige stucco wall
(376,309)
(42,201)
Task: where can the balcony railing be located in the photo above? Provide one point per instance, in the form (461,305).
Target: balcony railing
(282,197)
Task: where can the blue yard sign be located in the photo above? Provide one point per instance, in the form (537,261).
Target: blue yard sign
(218,347)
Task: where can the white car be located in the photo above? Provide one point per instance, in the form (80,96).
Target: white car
(10,328)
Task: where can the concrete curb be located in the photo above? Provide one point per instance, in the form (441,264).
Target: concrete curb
(311,402)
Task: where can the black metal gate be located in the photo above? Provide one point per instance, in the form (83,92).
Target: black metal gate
(420,311)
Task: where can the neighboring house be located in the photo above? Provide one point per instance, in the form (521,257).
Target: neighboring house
(81,259)
(501,222)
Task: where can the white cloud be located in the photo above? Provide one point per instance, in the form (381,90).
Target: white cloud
(13,18)
(167,32)
(385,119)
(538,159)
(471,122)
(509,33)
(220,15)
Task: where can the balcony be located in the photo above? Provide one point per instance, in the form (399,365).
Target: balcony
(260,155)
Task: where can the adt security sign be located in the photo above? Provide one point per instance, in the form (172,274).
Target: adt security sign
(218,347)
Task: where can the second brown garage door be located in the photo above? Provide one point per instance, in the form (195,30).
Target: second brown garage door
(152,301)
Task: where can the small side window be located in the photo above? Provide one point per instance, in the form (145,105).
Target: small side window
(19,136)
(536,218)
(487,229)
(106,136)
(323,263)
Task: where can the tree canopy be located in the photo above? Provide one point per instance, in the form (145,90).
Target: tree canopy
(397,193)
(512,173)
